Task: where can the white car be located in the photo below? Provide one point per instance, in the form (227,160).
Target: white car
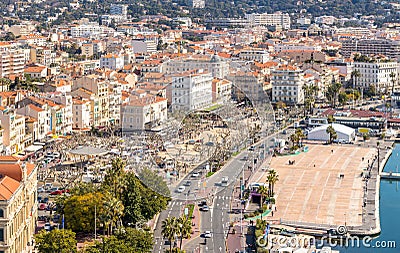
(195,174)
(181,189)
(47,226)
(207,234)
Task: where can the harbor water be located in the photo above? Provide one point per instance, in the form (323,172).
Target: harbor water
(389,215)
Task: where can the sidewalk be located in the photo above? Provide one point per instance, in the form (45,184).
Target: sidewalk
(196,222)
(235,241)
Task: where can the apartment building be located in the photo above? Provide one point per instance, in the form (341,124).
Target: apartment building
(119,9)
(18,205)
(253,54)
(211,63)
(250,84)
(32,39)
(377,73)
(41,116)
(143,111)
(287,85)
(386,47)
(82,116)
(12,60)
(269,19)
(14,131)
(112,61)
(190,90)
(96,89)
(221,90)
(87,30)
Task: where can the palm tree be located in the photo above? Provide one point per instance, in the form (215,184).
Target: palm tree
(310,92)
(393,79)
(272,178)
(169,230)
(184,228)
(114,179)
(332,93)
(294,139)
(354,77)
(300,136)
(332,133)
(263,191)
(114,209)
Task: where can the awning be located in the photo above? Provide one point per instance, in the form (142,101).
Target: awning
(33,148)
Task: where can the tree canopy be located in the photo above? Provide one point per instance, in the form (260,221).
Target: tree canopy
(56,241)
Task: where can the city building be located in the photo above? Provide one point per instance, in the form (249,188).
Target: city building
(112,61)
(376,72)
(287,85)
(143,112)
(14,131)
(12,60)
(41,116)
(221,90)
(197,3)
(82,116)
(212,63)
(18,205)
(86,30)
(344,133)
(190,90)
(269,19)
(254,54)
(386,47)
(250,84)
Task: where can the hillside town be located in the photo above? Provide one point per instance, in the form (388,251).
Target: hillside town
(219,111)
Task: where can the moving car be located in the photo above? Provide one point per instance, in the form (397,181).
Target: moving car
(205,208)
(187,183)
(207,234)
(181,189)
(195,174)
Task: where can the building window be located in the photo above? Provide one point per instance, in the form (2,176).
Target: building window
(1,234)
(1,213)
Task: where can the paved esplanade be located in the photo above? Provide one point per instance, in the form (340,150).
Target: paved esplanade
(324,186)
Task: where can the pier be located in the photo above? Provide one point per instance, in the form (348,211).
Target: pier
(390,175)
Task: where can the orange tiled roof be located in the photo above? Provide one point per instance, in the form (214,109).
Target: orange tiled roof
(8,186)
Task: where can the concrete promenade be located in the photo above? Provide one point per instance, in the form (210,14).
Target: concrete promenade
(328,186)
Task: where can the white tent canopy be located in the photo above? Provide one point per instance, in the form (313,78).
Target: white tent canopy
(344,133)
(87,150)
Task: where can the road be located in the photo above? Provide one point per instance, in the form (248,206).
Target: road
(218,198)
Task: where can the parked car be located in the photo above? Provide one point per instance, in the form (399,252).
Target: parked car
(47,226)
(56,192)
(40,190)
(45,200)
(205,208)
(42,206)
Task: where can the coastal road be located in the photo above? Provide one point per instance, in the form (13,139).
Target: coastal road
(218,198)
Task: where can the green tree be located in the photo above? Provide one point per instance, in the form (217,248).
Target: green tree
(272,178)
(354,77)
(113,211)
(79,211)
(332,133)
(169,230)
(184,228)
(342,98)
(332,93)
(300,136)
(393,79)
(127,240)
(56,241)
(114,181)
(263,191)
